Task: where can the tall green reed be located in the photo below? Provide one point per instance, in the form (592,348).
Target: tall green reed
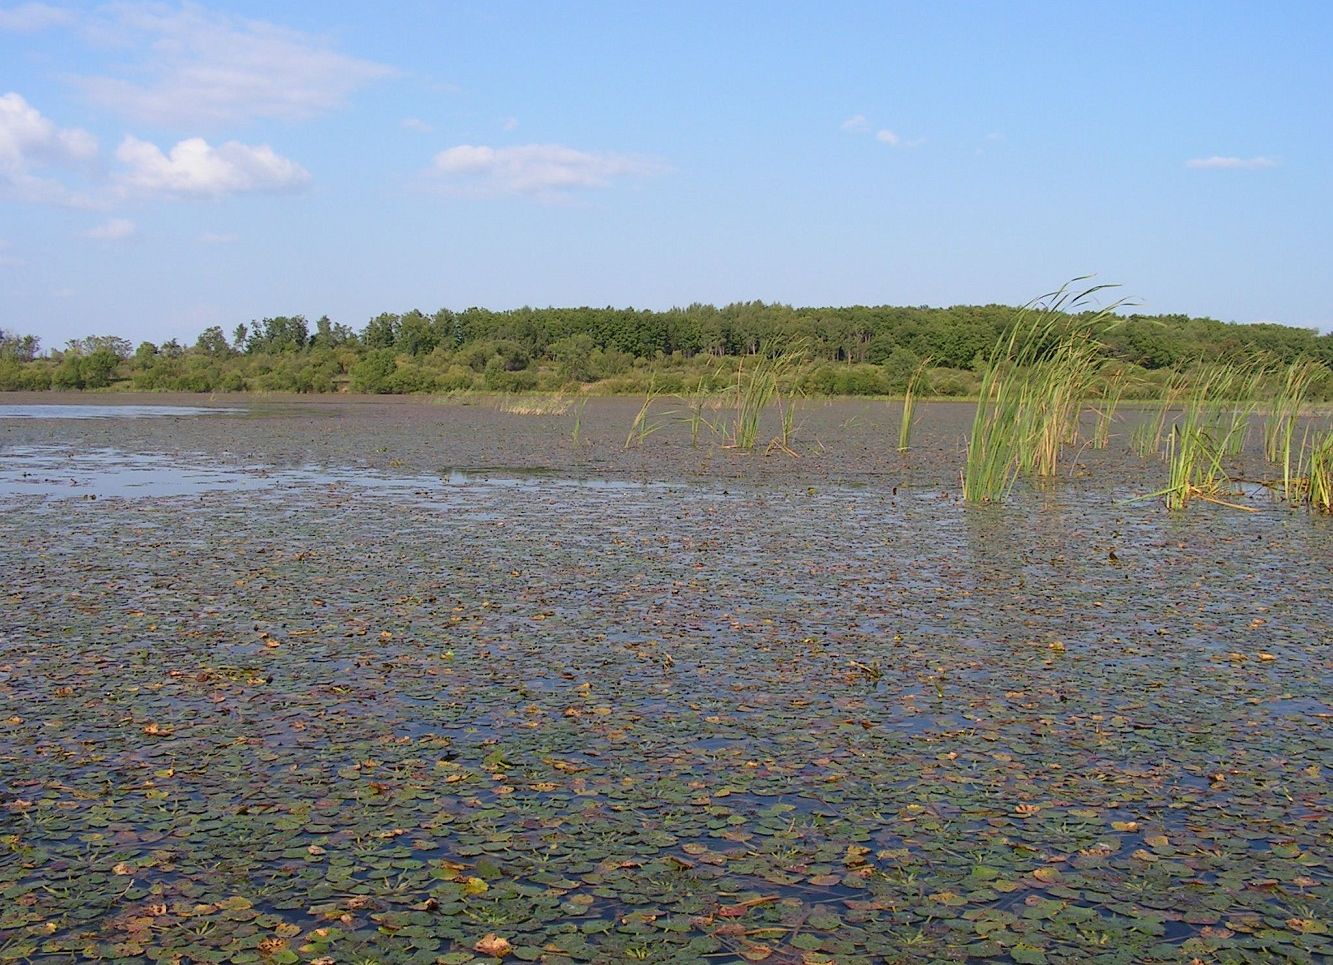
(644,424)
(695,404)
(1148,438)
(576,431)
(1212,425)
(757,385)
(1105,412)
(1319,485)
(1032,390)
(909,404)
(1284,411)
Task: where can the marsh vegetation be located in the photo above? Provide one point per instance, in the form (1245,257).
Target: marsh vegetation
(731,674)
(718,706)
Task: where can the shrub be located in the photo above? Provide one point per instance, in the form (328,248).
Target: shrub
(373,372)
(950,382)
(497,378)
(843,379)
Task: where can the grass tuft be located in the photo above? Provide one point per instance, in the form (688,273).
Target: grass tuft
(536,404)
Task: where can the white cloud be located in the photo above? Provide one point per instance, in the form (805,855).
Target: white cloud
(194,168)
(200,66)
(860,124)
(26,135)
(543,170)
(1232,163)
(31,142)
(29,17)
(416,124)
(116,229)
(510,124)
(218,238)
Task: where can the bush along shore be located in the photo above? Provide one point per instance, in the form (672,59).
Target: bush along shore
(867,351)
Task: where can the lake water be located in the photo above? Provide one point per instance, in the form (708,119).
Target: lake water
(42,411)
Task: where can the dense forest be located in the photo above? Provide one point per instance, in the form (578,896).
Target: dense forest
(852,351)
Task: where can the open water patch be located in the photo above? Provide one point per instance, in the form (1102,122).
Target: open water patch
(58,472)
(79,411)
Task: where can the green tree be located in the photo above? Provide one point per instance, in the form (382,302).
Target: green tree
(381,331)
(415,334)
(213,343)
(574,356)
(20,348)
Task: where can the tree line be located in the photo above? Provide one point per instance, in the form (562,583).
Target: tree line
(855,350)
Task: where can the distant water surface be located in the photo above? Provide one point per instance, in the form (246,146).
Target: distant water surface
(46,411)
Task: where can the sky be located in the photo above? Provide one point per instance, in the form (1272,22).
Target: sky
(165,167)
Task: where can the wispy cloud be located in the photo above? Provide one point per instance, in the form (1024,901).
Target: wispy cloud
(28,17)
(116,229)
(510,124)
(31,143)
(549,171)
(196,169)
(1218,162)
(860,124)
(416,124)
(202,67)
(218,238)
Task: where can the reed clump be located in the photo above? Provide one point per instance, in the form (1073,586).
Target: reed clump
(1149,438)
(787,426)
(1105,413)
(1319,483)
(576,430)
(1032,391)
(696,403)
(909,404)
(1284,412)
(645,424)
(1309,479)
(762,379)
(1212,425)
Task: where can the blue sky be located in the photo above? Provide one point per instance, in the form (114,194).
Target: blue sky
(167,167)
